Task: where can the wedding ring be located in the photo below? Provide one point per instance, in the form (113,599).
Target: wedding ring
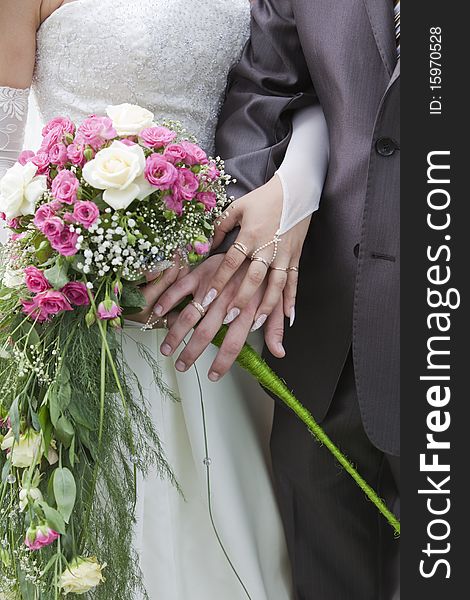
(241,248)
(296,269)
(198,307)
(285,269)
(261,260)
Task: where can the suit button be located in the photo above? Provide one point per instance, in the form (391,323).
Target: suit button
(385,146)
(356,250)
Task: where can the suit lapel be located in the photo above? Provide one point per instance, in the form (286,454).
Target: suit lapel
(380,13)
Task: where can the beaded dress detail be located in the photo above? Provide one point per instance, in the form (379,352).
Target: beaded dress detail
(171,57)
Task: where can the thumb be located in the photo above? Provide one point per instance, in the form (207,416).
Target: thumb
(225,223)
(274,331)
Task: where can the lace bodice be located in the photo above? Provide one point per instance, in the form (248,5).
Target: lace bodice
(170,56)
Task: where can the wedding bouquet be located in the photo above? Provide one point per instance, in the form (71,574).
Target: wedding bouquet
(98,206)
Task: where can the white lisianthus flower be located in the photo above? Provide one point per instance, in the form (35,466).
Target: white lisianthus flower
(129,119)
(20,189)
(83,575)
(26,451)
(27,496)
(118,170)
(13,278)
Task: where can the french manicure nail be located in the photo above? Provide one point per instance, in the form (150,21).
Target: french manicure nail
(292,316)
(259,322)
(165,349)
(180,365)
(280,348)
(231,315)
(213,376)
(209,298)
(158,310)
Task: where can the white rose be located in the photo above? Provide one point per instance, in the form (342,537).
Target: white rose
(20,189)
(13,278)
(129,119)
(119,171)
(82,575)
(26,451)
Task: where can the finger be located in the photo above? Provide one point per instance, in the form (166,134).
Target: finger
(175,293)
(187,319)
(273,294)
(232,261)
(274,332)
(290,293)
(202,335)
(225,223)
(254,277)
(232,345)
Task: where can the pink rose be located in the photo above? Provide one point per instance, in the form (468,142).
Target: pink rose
(202,248)
(35,280)
(54,132)
(94,131)
(76,293)
(86,213)
(62,124)
(187,184)
(75,154)
(174,153)
(157,137)
(194,154)
(25,157)
(13,223)
(159,172)
(65,186)
(65,243)
(175,203)
(46,305)
(128,142)
(58,154)
(41,160)
(213,172)
(52,227)
(209,199)
(44,212)
(37,538)
(108,310)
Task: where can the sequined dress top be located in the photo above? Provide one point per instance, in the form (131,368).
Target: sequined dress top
(169,56)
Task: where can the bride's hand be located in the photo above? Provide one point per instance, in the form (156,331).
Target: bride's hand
(259,215)
(157,283)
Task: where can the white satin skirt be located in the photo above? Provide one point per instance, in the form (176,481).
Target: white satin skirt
(242,553)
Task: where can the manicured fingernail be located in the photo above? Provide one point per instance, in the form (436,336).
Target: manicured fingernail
(213,376)
(165,349)
(280,348)
(158,309)
(209,297)
(231,315)
(180,365)
(292,316)
(259,322)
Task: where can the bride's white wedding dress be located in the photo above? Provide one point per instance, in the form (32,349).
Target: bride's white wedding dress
(173,57)
(224,539)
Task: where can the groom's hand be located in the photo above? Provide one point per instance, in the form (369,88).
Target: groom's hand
(195,284)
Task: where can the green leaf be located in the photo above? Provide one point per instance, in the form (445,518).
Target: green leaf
(132,297)
(14,415)
(6,470)
(46,427)
(57,274)
(64,431)
(54,518)
(72,452)
(65,492)
(59,398)
(81,415)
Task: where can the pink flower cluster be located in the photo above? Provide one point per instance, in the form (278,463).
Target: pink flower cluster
(47,302)
(172,169)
